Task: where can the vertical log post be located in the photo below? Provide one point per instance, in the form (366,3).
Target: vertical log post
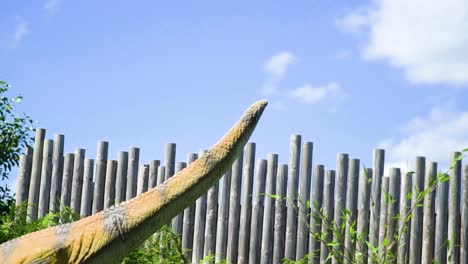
(246,206)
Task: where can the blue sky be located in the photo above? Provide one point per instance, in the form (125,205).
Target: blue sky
(348,75)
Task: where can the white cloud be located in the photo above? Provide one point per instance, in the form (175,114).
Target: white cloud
(276,68)
(312,95)
(21,30)
(426,38)
(51,6)
(435,136)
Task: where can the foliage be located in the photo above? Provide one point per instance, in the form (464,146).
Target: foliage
(13,221)
(15,135)
(162,247)
(210,259)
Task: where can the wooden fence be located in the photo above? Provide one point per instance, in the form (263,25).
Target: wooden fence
(236,221)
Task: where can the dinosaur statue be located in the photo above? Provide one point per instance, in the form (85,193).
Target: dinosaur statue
(108,236)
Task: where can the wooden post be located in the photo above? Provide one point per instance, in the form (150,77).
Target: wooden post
(111,175)
(101,162)
(429,216)
(440,245)
(315,222)
(269,210)
(121,178)
(464,221)
(33,195)
(77,182)
(177,222)
(394,193)
(65,197)
(132,172)
(46,177)
(223,216)
(143,179)
(211,218)
(199,226)
(327,227)
(246,206)
(257,211)
(280,214)
(363,213)
(189,219)
(403,225)
(416,218)
(161,174)
(57,170)
(24,177)
(453,232)
(170,159)
(351,206)
(379,157)
(340,202)
(234,209)
(87,192)
(304,196)
(153,173)
(383,228)
(293,183)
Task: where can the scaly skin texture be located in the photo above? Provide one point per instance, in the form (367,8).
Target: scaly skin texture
(108,236)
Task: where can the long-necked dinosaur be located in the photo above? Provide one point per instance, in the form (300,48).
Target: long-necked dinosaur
(108,236)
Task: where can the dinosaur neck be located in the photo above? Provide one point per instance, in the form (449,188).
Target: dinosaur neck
(110,235)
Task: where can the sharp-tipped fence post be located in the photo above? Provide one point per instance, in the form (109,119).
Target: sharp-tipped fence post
(340,202)
(223,216)
(464,221)
(304,199)
(246,206)
(351,206)
(327,227)
(416,216)
(453,232)
(280,214)
(65,197)
(315,222)
(33,195)
(293,183)
(429,215)
(46,177)
(99,182)
(440,241)
(111,175)
(132,172)
(269,210)
(77,182)
(121,178)
(257,211)
(153,173)
(189,219)
(234,209)
(363,213)
(392,208)
(87,192)
(57,171)
(378,170)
